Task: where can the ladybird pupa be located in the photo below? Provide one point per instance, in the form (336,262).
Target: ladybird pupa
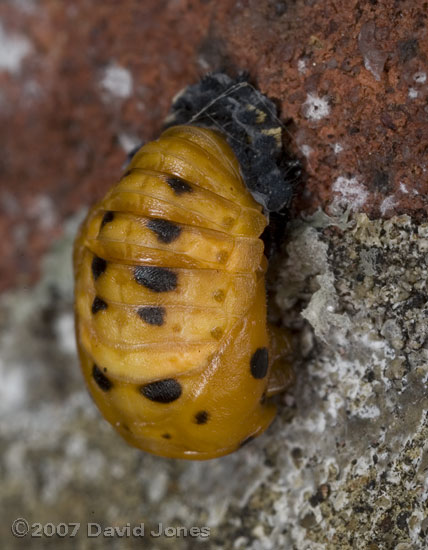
(170,301)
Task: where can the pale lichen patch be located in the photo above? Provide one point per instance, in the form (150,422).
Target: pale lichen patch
(14,48)
(117,82)
(315,107)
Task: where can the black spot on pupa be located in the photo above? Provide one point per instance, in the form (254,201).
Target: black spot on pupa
(158,279)
(166,231)
(101,379)
(107,218)
(246,440)
(162,391)
(166,436)
(98,305)
(152,315)
(201,417)
(99,265)
(178,185)
(259,363)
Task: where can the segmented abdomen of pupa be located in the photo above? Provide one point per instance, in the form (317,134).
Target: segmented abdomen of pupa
(170,300)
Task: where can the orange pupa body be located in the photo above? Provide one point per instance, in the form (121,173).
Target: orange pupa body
(170,302)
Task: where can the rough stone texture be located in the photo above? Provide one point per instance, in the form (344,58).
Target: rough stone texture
(345,465)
